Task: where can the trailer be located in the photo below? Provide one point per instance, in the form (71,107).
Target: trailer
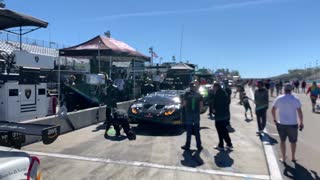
(23,96)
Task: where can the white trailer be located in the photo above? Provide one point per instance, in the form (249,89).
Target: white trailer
(19,102)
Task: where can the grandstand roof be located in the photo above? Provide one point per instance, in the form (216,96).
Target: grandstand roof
(104,46)
(11,19)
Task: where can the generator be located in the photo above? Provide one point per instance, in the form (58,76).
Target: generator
(23,96)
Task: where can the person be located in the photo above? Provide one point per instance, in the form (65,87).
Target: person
(246,105)
(261,98)
(314,91)
(277,88)
(193,103)
(237,91)
(222,116)
(272,86)
(111,97)
(287,124)
(296,85)
(148,87)
(119,82)
(210,101)
(281,86)
(228,90)
(267,84)
(72,80)
(303,86)
(120,117)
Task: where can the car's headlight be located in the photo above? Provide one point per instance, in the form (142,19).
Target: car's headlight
(134,110)
(169,112)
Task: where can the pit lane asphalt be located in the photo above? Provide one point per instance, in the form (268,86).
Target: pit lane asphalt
(155,154)
(308,148)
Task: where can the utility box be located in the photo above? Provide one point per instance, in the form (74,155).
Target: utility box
(19,102)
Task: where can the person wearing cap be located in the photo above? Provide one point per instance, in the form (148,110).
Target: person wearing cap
(192,103)
(288,107)
(261,99)
(110,98)
(222,116)
(148,87)
(314,91)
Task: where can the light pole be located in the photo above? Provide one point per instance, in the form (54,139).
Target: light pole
(99,70)
(151,52)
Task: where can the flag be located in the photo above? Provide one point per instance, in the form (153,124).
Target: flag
(154,55)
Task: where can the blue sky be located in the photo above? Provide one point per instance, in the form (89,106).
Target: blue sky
(260,38)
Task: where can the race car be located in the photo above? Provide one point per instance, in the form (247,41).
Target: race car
(160,107)
(15,164)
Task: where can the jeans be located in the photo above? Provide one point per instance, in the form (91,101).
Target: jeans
(261,119)
(195,128)
(192,126)
(223,133)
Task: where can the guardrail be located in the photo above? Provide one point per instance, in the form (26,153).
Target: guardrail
(79,119)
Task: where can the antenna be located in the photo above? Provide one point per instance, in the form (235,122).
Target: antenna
(181,42)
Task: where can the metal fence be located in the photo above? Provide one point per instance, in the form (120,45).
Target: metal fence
(5,36)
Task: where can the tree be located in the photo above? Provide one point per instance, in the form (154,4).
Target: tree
(2,4)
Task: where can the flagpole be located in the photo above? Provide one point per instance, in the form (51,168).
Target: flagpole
(181,42)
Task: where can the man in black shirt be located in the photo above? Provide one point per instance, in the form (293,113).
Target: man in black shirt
(222,116)
(110,98)
(193,103)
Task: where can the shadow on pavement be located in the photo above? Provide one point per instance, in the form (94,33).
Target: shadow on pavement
(115,138)
(191,158)
(266,138)
(100,127)
(299,172)
(248,120)
(150,129)
(223,160)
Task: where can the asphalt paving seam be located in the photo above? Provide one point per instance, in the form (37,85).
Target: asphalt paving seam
(150,165)
(273,166)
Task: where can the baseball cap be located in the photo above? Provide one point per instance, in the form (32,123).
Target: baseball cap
(288,87)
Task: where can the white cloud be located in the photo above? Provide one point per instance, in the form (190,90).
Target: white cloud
(187,11)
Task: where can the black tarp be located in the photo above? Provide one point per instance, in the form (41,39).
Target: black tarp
(12,19)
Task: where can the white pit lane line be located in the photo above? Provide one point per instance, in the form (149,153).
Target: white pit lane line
(149,165)
(272,162)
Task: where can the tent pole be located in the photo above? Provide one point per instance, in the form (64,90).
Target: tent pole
(110,68)
(20,38)
(134,79)
(59,102)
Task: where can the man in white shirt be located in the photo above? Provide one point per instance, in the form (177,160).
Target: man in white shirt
(287,125)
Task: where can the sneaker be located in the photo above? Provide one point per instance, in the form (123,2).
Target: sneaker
(218,148)
(185,147)
(230,147)
(230,129)
(283,161)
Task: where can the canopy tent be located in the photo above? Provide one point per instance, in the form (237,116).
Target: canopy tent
(181,66)
(12,19)
(204,72)
(104,48)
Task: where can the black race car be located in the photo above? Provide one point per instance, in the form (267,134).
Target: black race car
(161,107)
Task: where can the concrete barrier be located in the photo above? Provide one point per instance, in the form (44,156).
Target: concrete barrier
(79,119)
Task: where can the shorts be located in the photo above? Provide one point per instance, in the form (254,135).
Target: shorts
(290,131)
(313,99)
(247,107)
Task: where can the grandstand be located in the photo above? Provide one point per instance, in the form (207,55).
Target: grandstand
(10,44)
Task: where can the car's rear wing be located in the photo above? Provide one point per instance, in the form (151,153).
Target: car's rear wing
(13,134)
